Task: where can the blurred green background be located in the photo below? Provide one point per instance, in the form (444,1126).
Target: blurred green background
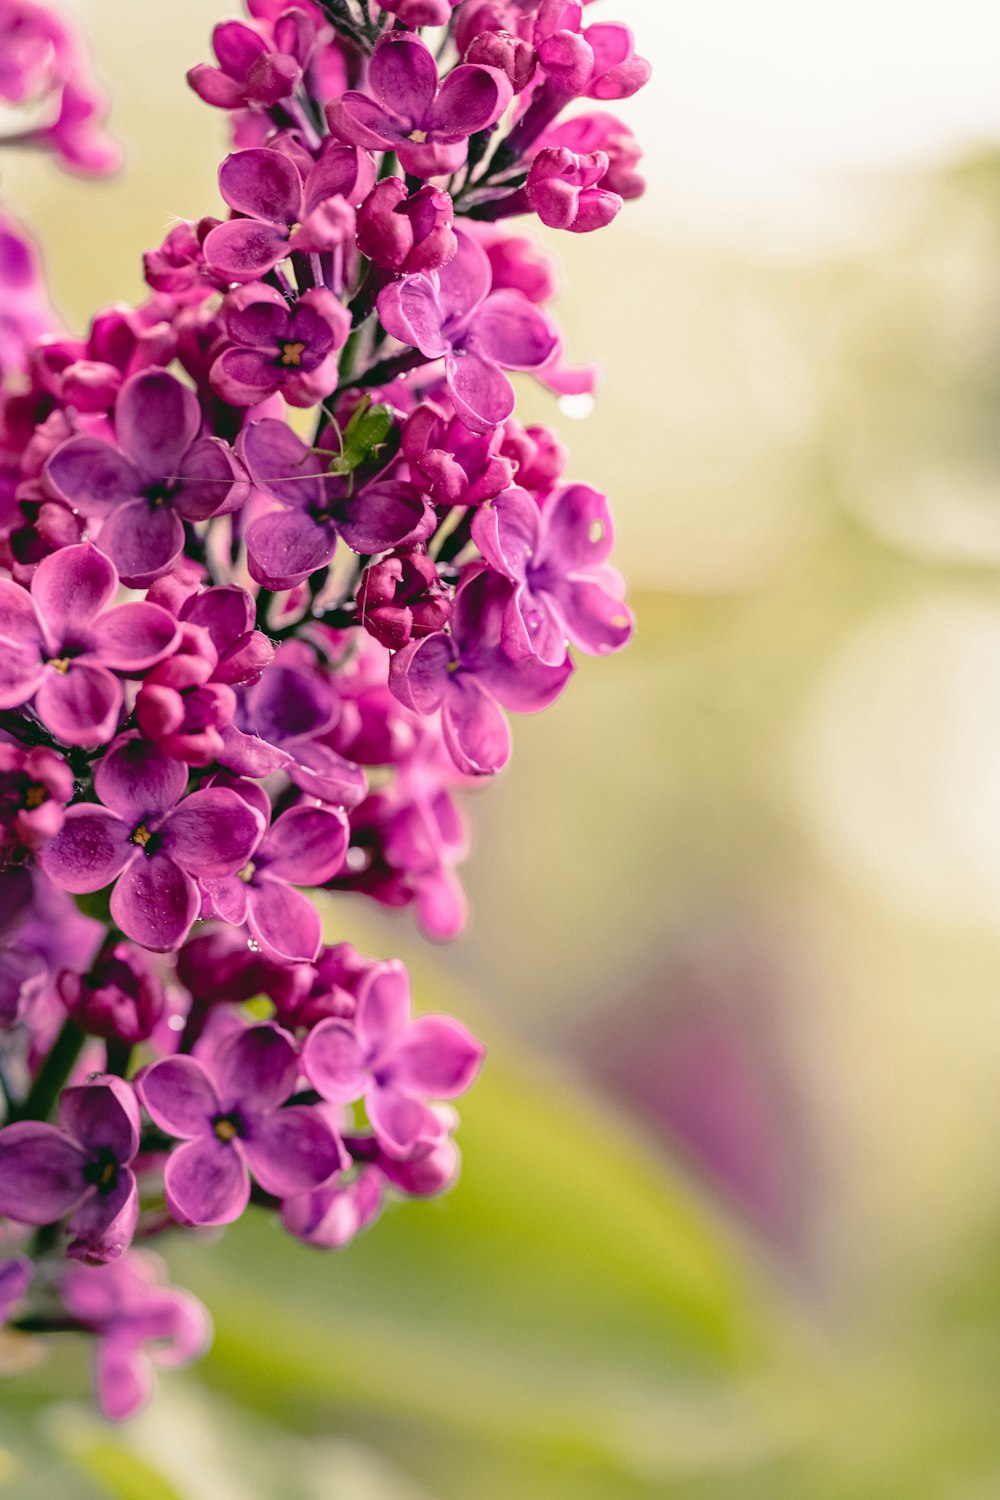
(729,1221)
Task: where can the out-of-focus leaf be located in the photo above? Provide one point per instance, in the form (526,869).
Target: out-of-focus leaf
(572,1303)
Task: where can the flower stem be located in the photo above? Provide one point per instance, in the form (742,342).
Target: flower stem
(53,1073)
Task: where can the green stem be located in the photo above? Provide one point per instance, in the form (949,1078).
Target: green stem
(54,1072)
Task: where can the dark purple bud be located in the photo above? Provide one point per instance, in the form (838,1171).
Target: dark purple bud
(121,998)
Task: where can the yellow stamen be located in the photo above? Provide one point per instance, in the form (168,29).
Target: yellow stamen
(291,355)
(225,1130)
(35,795)
(418,137)
(141,836)
(59,664)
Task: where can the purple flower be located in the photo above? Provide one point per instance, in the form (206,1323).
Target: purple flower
(229,1114)
(279,347)
(152,844)
(280,212)
(286,546)
(60,644)
(557,555)
(468,676)
(425,122)
(83,1168)
(562,189)
(456,466)
(304,846)
(406,232)
(249,71)
(285,712)
(600,131)
(163,472)
(139,1322)
(451,314)
(333,1214)
(393,1062)
(35,786)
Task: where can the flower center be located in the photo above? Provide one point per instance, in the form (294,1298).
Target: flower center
(247,873)
(141,836)
(102,1172)
(418,137)
(225,1128)
(59,664)
(291,355)
(35,795)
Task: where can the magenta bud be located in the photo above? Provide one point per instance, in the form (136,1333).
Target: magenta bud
(406,232)
(562,190)
(511,54)
(402,599)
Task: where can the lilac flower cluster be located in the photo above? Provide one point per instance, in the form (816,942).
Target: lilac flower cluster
(247,654)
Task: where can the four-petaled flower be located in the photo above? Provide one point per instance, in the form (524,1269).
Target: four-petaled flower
(426,122)
(60,644)
(230,1111)
(160,475)
(557,556)
(82,1168)
(151,843)
(451,314)
(393,1062)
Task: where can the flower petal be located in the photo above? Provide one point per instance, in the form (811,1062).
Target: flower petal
(92,475)
(256,1068)
(514,332)
(334,1062)
(138,781)
(155,902)
(286,546)
(156,420)
(133,637)
(305,845)
(293,1150)
(206,1182)
(411,310)
(179,1096)
(81,705)
(383,1006)
(72,586)
(104,1223)
(403,76)
(102,1115)
(142,540)
(262,184)
(482,394)
(212,832)
(471,98)
(402,1125)
(284,922)
(91,848)
(475,730)
(436,1058)
(244,249)
(19,622)
(41,1173)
